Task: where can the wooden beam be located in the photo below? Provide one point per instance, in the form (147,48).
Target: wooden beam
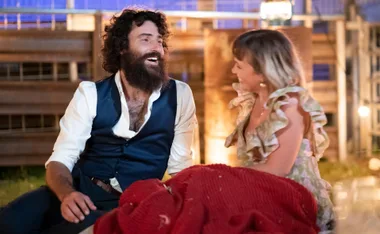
(308,5)
(35,97)
(42,42)
(323,49)
(341,83)
(97,70)
(26,148)
(32,109)
(365,88)
(44,57)
(325,93)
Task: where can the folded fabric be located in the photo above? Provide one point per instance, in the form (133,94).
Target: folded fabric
(213,199)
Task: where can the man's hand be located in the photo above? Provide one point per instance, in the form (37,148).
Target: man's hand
(75,206)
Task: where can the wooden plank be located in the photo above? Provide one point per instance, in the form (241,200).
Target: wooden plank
(23,160)
(45,46)
(33,92)
(35,41)
(59,34)
(35,97)
(324,60)
(185,41)
(322,37)
(33,109)
(323,50)
(26,148)
(44,57)
(325,93)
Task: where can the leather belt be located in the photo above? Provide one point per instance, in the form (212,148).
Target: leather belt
(106,187)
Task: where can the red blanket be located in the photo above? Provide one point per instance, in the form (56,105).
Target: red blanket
(213,199)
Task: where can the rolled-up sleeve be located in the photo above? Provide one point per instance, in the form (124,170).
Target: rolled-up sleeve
(181,155)
(75,126)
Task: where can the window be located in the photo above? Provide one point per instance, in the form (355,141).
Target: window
(331,119)
(4,122)
(29,123)
(41,71)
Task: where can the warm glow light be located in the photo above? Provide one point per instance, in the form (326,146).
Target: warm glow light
(272,10)
(374,164)
(216,152)
(363,111)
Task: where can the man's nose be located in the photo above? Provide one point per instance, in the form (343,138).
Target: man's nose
(233,70)
(157,47)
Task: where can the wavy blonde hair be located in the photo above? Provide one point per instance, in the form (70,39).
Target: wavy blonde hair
(272,55)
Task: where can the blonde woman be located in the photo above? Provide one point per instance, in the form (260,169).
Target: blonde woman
(280,126)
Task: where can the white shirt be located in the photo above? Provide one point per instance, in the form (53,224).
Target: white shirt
(76,125)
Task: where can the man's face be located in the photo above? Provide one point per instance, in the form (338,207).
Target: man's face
(144,63)
(145,40)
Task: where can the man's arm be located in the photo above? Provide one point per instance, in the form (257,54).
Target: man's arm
(59,179)
(186,121)
(75,129)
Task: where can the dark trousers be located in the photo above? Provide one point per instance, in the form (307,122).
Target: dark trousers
(39,211)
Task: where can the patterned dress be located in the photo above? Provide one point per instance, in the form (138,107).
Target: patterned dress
(254,148)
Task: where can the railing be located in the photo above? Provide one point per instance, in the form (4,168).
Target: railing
(182,17)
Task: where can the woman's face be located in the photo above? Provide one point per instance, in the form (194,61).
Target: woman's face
(247,76)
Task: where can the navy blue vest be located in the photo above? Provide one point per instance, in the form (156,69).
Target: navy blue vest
(141,157)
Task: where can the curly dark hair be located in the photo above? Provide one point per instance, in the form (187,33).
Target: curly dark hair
(116,34)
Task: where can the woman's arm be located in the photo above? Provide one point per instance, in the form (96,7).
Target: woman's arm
(281,161)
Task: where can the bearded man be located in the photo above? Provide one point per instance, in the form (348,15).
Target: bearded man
(133,125)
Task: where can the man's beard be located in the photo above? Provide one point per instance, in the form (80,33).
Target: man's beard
(141,76)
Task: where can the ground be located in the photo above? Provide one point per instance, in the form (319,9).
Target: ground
(16,181)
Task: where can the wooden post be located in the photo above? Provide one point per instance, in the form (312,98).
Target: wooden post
(341,85)
(97,71)
(55,71)
(365,89)
(355,96)
(73,66)
(73,69)
(355,77)
(308,9)
(70,4)
(368,98)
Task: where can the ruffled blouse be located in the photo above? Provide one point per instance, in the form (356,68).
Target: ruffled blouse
(264,139)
